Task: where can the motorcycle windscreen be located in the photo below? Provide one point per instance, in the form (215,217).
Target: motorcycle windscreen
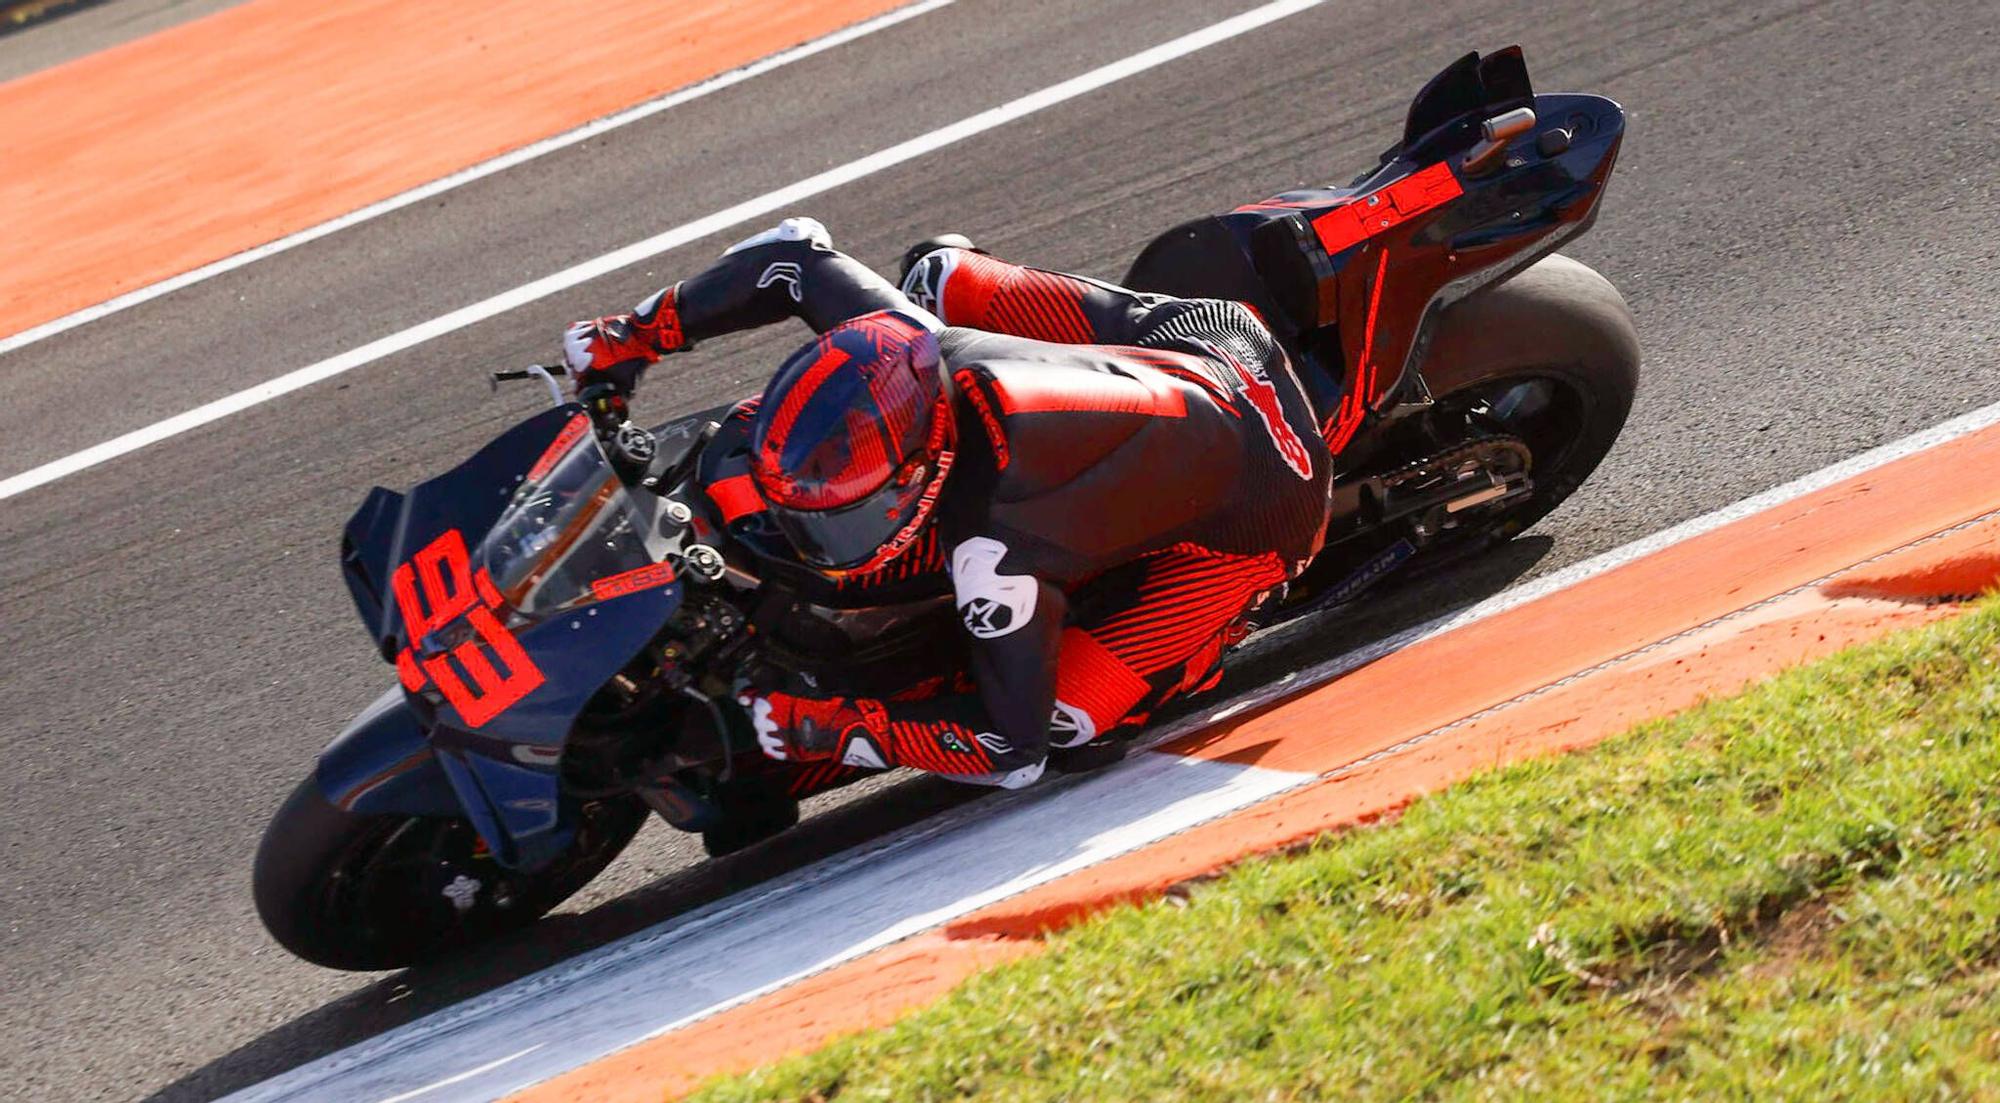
(518,583)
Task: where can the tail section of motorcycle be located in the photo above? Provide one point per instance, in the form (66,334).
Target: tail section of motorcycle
(1369,286)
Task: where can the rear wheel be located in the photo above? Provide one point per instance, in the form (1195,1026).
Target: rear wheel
(1550,358)
(369,892)
(1531,382)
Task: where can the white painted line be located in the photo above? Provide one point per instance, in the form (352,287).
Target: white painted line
(723,955)
(461,1077)
(483,169)
(806,922)
(760,206)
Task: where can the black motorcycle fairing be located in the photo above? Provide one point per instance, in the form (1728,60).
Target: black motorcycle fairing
(469,497)
(500,753)
(507,773)
(1352,279)
(365,547)
(1445,114)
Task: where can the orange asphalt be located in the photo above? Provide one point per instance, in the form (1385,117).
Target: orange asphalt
(138,163)
(1700,619)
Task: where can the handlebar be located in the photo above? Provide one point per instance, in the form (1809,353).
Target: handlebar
(606,402)
(545,372)
(530,372)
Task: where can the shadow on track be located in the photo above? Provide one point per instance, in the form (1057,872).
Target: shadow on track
(888,805)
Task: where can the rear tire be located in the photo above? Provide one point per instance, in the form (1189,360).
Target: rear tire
(369,892)
(1558,324)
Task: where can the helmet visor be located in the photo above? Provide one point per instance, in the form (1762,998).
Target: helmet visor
(852,534)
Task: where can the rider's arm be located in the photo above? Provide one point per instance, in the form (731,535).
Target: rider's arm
(996,736)
(1004,727)
(788,271)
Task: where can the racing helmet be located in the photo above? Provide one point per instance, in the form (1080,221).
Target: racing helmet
(852,441)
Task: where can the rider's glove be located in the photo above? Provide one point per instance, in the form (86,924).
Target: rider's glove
(616,350)
(813,729)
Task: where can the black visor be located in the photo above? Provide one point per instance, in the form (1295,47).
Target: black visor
(852,534)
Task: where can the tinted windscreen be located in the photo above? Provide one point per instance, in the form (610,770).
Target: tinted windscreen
(571,523)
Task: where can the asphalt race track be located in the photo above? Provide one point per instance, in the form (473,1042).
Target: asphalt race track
(1803,221)
(94,26)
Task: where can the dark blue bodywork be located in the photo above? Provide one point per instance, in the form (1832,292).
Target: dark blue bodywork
(412,753)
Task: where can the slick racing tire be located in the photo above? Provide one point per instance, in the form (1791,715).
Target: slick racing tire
(1549,356)
(374,892)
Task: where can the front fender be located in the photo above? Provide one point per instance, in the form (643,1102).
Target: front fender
(383,763)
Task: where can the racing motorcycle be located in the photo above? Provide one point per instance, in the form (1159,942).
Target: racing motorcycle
(568,611)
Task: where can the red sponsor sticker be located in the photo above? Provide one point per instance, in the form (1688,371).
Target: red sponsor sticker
(631,582)
(1365,216)
(559,447)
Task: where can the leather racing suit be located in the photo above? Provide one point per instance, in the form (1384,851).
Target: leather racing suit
(1134,473)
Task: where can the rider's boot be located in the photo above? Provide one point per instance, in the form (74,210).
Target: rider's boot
(1094,755)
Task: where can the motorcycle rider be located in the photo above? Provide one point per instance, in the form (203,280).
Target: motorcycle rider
(1110,480)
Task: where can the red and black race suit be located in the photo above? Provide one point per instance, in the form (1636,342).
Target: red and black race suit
(1133,474)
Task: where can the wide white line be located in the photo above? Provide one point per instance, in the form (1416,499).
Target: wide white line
(466,176)
(760,206)
(557,998)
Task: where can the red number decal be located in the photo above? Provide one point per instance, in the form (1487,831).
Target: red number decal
(436,587)
(445,571)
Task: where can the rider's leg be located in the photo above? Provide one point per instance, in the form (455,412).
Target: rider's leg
(969,288)
(1152,631)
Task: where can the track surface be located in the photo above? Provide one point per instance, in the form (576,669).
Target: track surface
(1802,220)
(94,27)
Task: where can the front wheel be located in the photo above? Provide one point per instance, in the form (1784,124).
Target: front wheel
(370,892)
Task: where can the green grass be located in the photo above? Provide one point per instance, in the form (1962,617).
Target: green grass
(1790,894)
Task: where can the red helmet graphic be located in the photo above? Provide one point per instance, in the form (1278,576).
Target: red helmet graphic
(852,442)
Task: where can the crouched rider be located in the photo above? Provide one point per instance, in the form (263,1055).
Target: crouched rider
(1111,479)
